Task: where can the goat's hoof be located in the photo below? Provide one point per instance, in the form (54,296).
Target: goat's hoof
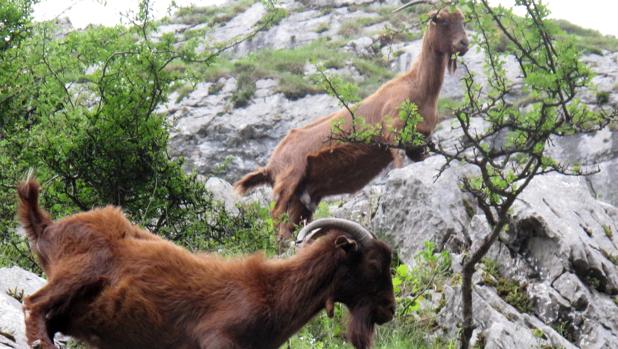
(417,154)
(42,344)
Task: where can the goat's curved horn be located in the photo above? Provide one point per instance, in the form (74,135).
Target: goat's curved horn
(360,234)
(412,3)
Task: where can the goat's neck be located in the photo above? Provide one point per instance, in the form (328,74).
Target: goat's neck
(303,292)
(428,70)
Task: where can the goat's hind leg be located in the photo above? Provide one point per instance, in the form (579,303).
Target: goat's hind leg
(284,194)
(46,311)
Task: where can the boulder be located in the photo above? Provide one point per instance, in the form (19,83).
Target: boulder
(15,283)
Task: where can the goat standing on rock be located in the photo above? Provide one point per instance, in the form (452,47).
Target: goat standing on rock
(114,285)
(308,165)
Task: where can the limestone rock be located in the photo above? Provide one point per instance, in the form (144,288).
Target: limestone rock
(15,283)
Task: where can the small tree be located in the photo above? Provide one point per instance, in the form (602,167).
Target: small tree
(551,74)
(81,108)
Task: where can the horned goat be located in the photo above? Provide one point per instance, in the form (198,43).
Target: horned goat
(308,165)
(114,285)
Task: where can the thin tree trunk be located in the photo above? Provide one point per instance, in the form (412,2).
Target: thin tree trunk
(466,285)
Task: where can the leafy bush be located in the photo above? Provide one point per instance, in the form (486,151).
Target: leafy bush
(84,115)
(510,290)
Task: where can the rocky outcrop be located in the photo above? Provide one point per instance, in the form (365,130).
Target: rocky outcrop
(560,245)
(216,139)
(15,283)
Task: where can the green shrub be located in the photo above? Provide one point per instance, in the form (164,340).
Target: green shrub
(602,97)
(108,146)
(215,88)
(245,89)
(508,289)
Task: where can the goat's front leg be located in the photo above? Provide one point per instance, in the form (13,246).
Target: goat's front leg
(218,340)
(301,208)
(53,301)
(37,333)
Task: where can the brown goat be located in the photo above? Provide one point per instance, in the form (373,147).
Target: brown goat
(114,285)
(307,165)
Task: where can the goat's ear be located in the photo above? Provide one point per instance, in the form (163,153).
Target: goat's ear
(433,16)
(346,244)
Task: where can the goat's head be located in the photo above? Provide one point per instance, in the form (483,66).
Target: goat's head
(446,32)
(363,282)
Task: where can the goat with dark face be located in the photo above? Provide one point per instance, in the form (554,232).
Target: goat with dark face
(114,285)
(308,165)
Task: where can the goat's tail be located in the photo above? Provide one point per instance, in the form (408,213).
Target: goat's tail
(32,217)
(253,179)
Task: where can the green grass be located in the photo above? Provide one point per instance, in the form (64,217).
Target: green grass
(353,27)
(184,91)
(288,67)
(508,289)
(589,40)
(245,89)
(446,107)
(326,333)
(212,15)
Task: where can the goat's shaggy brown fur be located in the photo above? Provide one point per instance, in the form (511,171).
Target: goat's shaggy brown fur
(115,286)
(306,165)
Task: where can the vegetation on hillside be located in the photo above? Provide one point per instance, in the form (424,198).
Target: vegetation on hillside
(81,110)
(553,75)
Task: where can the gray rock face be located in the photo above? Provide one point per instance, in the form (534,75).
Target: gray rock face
(597,152)
(561,245)
(299,28)
(223,192)
(499,324)
(417,209)
(15,283)
(209,134)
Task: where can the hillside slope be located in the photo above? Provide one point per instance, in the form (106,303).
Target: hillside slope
(550,282)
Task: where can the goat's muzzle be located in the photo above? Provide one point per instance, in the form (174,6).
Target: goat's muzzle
(384,313)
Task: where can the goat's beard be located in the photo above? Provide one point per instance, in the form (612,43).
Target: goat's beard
(360,328)
(452,63)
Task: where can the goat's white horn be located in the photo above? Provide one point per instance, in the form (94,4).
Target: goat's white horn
(311,230)
(412,3)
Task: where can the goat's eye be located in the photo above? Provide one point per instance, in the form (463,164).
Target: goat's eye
(441,22)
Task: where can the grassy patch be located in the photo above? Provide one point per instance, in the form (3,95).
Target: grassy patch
(589,40)
(375,73)
(212,15)
(245,89)
(602,97)
(184,91)
(288,67)
(353,27)
(508,289)
(608,231)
